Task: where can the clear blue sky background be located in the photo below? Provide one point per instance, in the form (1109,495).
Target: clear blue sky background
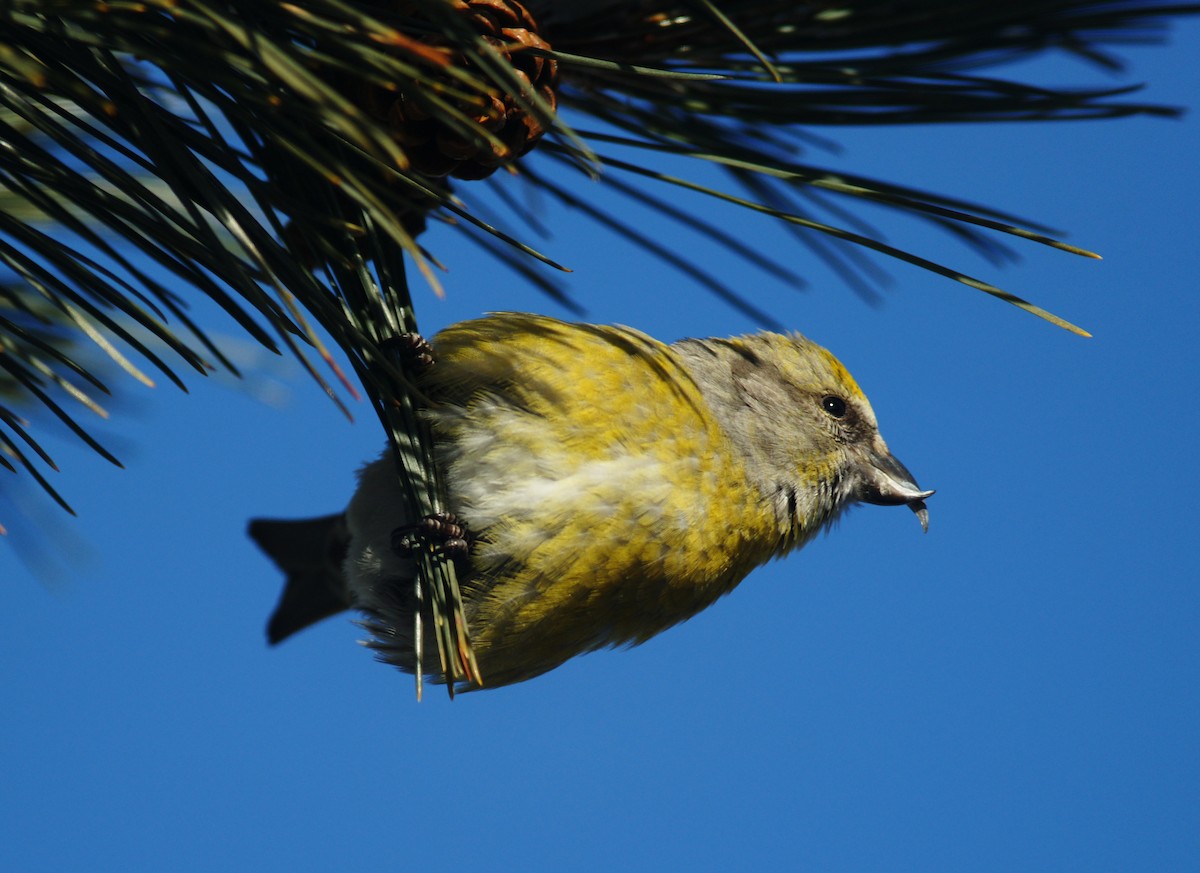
(1017,690)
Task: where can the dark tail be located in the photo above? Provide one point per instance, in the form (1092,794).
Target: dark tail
(310,552)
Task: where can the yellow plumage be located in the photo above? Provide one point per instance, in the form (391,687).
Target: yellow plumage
(613,485)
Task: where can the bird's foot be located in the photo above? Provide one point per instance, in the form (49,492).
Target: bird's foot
(415,352)
(442,533)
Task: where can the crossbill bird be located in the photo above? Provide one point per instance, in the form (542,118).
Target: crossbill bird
(608,486)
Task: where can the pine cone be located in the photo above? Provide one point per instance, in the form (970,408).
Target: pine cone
(438,150)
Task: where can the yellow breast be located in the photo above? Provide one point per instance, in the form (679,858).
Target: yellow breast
(606,503)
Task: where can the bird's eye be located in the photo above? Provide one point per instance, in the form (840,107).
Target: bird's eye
(834,405)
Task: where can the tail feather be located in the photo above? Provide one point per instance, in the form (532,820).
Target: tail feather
(311,552)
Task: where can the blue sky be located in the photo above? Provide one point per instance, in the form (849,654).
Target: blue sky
(1015,690)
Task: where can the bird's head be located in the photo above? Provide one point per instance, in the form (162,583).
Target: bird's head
(807,433)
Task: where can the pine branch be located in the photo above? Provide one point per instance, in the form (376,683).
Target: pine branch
(278,158)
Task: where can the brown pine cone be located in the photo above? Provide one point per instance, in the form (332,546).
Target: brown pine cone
(436,149)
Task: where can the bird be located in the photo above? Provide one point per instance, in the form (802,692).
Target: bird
(605,486)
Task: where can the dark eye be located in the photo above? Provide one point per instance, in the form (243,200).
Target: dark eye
(834,405)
